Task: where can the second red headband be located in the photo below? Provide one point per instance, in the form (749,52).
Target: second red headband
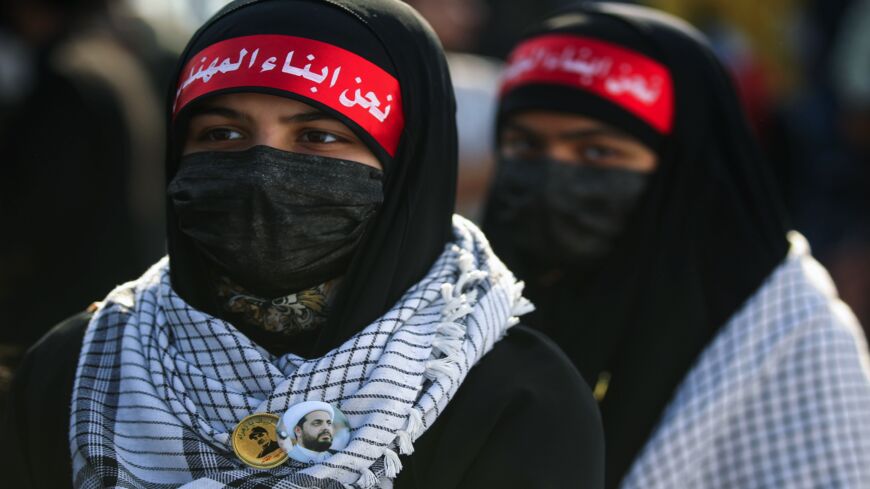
(635,82)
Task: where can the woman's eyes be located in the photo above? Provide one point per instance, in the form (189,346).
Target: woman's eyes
(309,136)
(222,134)
(319,137)
(520,147)
(591,154)
(597,153)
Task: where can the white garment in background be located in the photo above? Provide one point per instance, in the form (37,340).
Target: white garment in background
(780,399)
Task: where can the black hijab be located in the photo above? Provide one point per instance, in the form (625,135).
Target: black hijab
(706,233)
(414,222)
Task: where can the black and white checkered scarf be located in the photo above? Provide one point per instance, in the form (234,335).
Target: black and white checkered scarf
(161,386)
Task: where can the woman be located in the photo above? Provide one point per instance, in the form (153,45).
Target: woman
(632,199)
(312,257)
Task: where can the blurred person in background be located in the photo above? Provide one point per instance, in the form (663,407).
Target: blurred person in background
(631,197)
(475,81)
(80,133)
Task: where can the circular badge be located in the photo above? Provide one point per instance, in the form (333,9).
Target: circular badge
(256,443)
(311,431)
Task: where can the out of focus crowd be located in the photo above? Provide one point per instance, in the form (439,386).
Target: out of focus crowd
(83,85)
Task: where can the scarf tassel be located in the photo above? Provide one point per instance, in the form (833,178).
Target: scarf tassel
(452,303)
(413,430)
(450,347)
(367,479)
(470,278)
(439,367)
(406,444)
(462,310)
(521,304)
(415,423)
(392,464)
(451,330)
(522,307)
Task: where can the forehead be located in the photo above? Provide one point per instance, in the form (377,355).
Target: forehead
(551,122)
(318,415)
(554,125)
(254,103)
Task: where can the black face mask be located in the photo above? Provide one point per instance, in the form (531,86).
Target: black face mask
(273,221)
(562,215)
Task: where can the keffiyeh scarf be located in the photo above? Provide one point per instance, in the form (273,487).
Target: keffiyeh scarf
(780,397)
(160,385)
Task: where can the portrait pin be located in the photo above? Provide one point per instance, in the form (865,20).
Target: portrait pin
(311,431)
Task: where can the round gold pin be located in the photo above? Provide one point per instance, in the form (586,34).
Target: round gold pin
(255,441)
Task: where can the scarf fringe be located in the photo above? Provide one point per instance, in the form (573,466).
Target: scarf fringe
(522,306)
(446,347)
(392,464)
(439,367)
(450,330)
(450,347)
(415,422)
(413,429)
(405,442)
(367,479)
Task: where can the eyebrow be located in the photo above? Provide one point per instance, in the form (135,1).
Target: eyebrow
(578,134)
(219,111)
(313,115)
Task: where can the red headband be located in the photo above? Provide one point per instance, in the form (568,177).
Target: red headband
(343,81)
(635,82)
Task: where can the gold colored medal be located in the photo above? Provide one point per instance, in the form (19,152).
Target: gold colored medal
(255,441)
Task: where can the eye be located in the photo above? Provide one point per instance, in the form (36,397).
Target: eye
(520,146)
(221,134)
(319,137)
(595,153)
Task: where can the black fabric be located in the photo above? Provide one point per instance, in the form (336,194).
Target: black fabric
(521,419)
(414,222)
(275,221)
(35,429)
(702,238)
(68,230)
(562,215)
